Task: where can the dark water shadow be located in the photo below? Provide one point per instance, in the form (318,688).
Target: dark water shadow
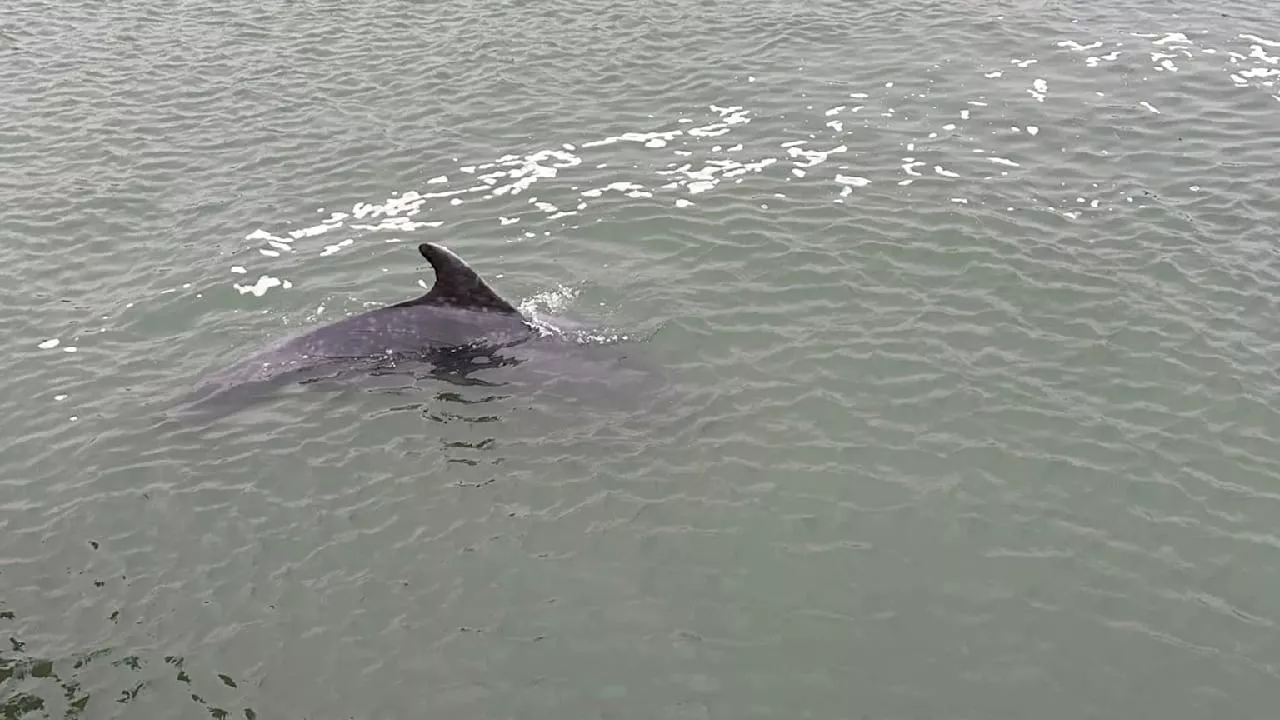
(103,682)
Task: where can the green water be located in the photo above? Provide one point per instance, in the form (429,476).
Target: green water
(962,319)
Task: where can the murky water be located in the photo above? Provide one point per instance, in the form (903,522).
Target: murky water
(939,376)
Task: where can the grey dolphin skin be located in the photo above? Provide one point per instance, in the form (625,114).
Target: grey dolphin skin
(459,313)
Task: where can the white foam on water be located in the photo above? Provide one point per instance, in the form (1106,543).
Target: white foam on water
(1073,45)
(1260,41)
(616,186)
(702,157)
(814,156)
(852,181)
(1039,88)
(259,288)
(551,301)
(308,231)
(397,224)
(331,249)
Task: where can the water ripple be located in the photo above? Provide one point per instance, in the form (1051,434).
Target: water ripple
(962,318)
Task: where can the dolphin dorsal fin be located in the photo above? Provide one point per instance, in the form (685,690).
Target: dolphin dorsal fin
(457,285)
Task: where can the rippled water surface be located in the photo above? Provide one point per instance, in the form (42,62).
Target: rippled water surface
(941,376)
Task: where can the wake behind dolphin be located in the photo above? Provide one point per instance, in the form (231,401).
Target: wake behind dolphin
(459,321)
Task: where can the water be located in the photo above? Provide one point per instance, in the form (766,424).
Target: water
(960,321)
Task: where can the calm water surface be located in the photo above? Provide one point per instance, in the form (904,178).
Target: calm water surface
(958,326)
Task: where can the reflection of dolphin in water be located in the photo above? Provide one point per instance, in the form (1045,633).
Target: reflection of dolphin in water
(459,325)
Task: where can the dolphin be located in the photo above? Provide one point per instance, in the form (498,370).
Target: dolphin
(459,319)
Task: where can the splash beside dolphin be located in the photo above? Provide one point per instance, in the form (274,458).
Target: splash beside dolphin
(460,317)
